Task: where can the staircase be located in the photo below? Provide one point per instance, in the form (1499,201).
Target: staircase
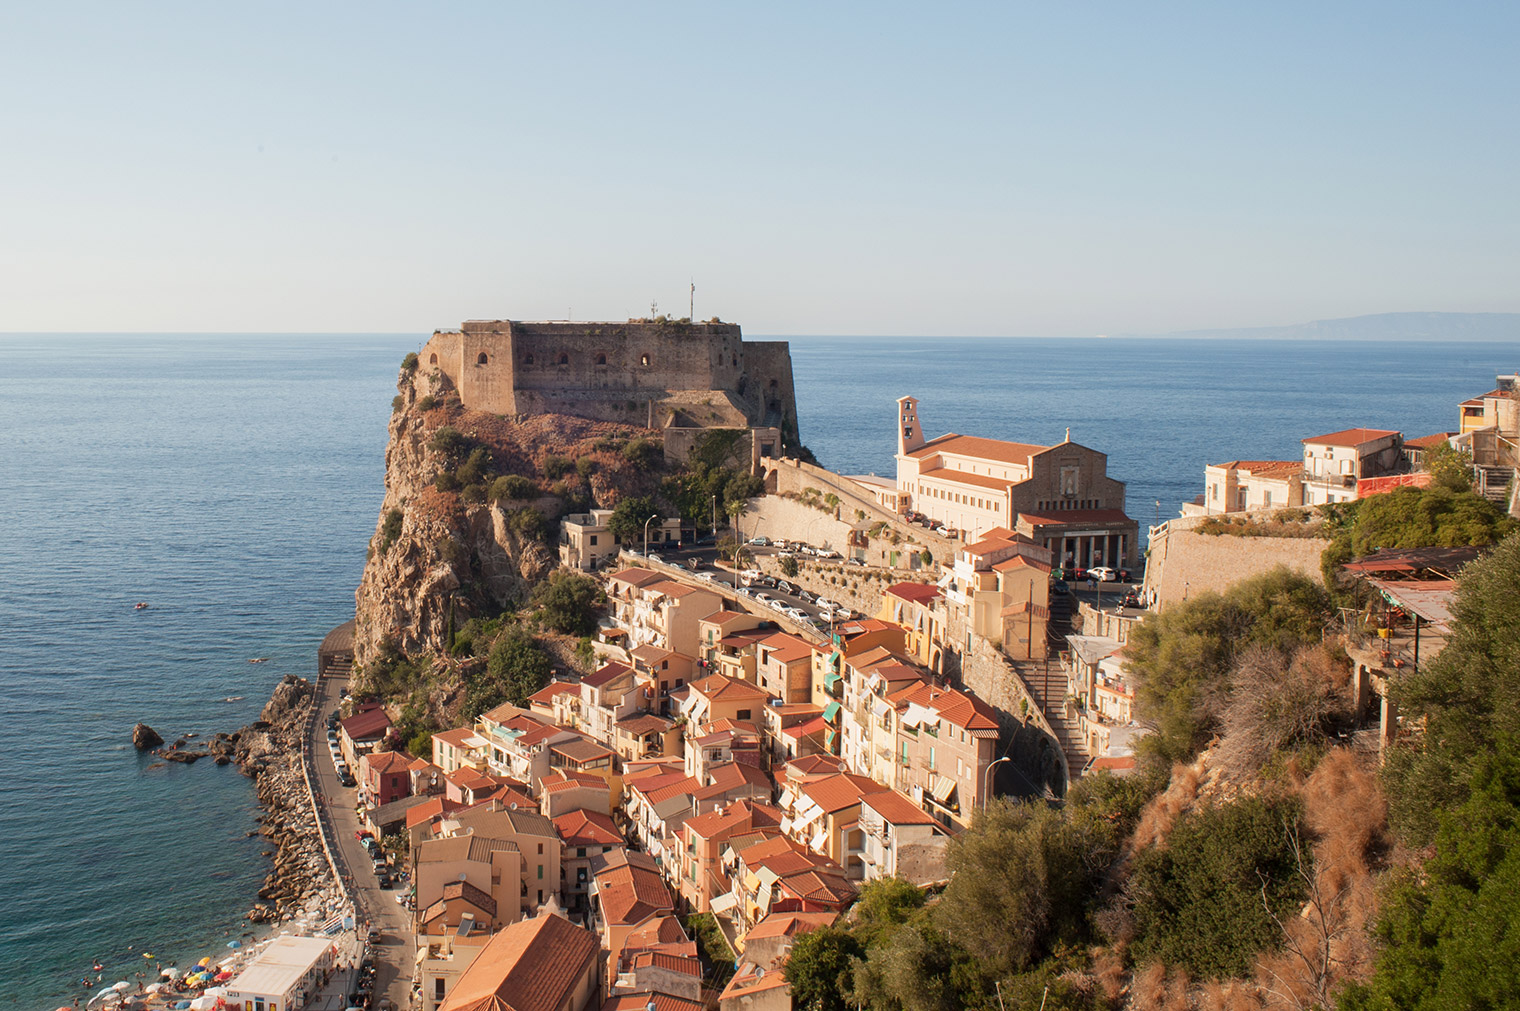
(1493,484)
(1047,683)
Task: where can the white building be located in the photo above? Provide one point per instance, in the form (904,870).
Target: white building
(285,976)
(1334,463)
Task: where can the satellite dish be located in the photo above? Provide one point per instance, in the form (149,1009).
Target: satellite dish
(461,875)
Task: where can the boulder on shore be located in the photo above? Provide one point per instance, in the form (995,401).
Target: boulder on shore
(145,737)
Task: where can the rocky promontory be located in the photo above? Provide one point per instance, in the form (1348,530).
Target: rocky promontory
(269,751)
(467,525)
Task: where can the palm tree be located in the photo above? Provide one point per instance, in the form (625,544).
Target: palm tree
(736,509)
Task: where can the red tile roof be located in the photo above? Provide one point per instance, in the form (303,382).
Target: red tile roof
(546,695)
(636,576)
(662,1002)
(609,671)
(790,924)
(917,593)
(953,476)
(630,892)
(897,809)
(366,725)
(965,711)
(530,965)
(386,761)
(984,449)
(840,791)
(1426,441)
(1350,437)
(588,828)
(721,686)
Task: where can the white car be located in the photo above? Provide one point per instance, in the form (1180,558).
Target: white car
(764,598)
(796,614)
(825,603)
(777,605)
(1103,574)
(705,577)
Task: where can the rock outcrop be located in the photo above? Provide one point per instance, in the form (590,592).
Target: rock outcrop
(436,559)
(269,750)
(145,738)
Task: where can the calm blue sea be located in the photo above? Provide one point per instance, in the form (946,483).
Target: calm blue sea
(232,482)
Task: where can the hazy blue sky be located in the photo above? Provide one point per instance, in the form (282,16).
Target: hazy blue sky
(1011,168)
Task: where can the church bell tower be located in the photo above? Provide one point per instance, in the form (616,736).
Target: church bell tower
(910,434)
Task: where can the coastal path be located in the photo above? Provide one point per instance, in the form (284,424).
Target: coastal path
(395,953)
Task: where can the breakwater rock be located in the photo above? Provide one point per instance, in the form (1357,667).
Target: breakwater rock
(269,751)
(145,738)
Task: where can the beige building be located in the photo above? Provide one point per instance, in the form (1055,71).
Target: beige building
(285,976)
(654,610)
(1333,463)
(1243,485)
(1060,495)
(902,840)
(586,543)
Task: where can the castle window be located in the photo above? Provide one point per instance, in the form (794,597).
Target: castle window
(564,359)
(482,359)
(774,384)
(433,359)
(643,359)
(601,359)
(527,359)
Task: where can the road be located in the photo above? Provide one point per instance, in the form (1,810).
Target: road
(395,952)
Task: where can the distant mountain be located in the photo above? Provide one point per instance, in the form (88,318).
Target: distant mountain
(1386,326)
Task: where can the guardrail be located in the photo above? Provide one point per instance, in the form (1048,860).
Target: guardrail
(324,827)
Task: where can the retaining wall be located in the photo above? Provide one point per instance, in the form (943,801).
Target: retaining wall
(1184,563)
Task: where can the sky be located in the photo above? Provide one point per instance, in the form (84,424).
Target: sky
(878,168)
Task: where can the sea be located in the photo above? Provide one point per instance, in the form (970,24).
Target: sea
(232,481)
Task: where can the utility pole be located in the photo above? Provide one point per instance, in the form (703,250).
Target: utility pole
(691,312)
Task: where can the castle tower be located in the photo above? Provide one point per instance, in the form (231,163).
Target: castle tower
(910,434)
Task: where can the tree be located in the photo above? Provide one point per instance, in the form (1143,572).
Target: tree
(1182,658)
(448,442)
(1213,897)
(1020,884)
(819,969)
(515,668)
(628,518)
(884,905)
(568,602)
(1449,468)
(1279,702)
(1426,517)
(735,510)
(789,567)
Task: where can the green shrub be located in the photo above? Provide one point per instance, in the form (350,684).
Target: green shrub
(642,454)
(568,602)
(427,402)
(528,523)
(556,467)
(409,363)
(585,466)
(789,567)
(513,487)
(473,493)
(1212,898)
(449,442)
(446,481)
(390,529)
(397,403)
(476,467)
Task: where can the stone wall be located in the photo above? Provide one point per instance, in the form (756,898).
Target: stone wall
(856,587)
(1184,563)
(789,475)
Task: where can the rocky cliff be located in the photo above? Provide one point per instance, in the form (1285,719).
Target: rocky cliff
(453,547)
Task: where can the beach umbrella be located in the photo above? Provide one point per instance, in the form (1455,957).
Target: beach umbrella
(153,988)
(109,991)
(121,985)
(169,973)
(217,991)
(147,954)
(234,944)
(206,960)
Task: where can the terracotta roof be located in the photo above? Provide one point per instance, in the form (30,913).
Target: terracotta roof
(786,648)
(636,576)
(671,588)
(433,807)
(455,738)
(1071,517)
(733,776)
(721,686)
(530,965)
(665,931)
(965,711)
(1350,437)
(740,816)
(662,1002)
(1426,441)
(983,449)
(840,791)
(1260,467)
(588,828)
(609,671)
(1020,561)
(580,749)
(386,761)
(462,847)
(651,654)
(643,723)
(751,978)
(686,965)
(952,476)
(683,787)
(917,593)
(819,886)
(897,809)
(628,893)
(554,688)
(505,712)
(721,617)
(508,797)
(814,764)
(365,725)
(816,725)
(790,924)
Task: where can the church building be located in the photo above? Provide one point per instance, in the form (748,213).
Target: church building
(1061,496)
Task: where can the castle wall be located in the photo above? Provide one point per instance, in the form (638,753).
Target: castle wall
(619,372)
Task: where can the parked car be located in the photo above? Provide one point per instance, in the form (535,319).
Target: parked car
(827,553)
(761,541)
(363,834)
(654,557)
(763,598)
(1103,574)
(824,602)
(1059,588)
(385,880)
(374,935)
(786,587)
(1131,599)
(347,780)
(777,605)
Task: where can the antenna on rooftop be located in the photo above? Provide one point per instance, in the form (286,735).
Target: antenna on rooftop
(691,311)
(654,308)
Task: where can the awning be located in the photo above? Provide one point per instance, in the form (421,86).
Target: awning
(831,679)
(830,711)
(828,740)
(941,787)
(834,659)
(723,903)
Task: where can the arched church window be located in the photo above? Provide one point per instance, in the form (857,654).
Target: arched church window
(482,359)
(564,359)
(601,359)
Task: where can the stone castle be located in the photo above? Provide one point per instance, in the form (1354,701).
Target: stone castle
(660,374)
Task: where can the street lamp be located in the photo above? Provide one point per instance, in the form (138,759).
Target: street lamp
(987,779)
(650,520)
(715,519)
